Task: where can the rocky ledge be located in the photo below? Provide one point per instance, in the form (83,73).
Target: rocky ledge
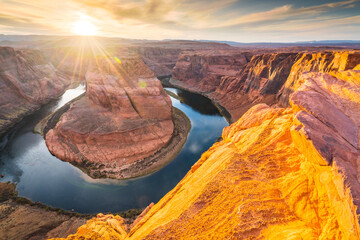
(27,81)
(119,128)
(277,173)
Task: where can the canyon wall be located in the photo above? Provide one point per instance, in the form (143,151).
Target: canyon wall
(257,77)
(73,55)
(161,56)
(202,70)
(27,81)
(126,116)
(160,60)
(277,173)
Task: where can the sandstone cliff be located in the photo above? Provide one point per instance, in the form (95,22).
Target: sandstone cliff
(160,60)
(202,70)
(126,116)
(27,81)
(277,173)
(254,78)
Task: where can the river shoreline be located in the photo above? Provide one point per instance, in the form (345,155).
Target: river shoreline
(173,83)
(50,121)
(139,168)
(72,178)
(26,219)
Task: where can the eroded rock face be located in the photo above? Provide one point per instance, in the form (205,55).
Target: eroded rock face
(124,117)
(328,62)
(203,70)
(162,56)
(27,81)
(258,82)
(249,78)
(160,60)
(278,173)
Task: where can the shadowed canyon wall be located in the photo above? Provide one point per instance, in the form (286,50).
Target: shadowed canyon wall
(27,81)
(277,173)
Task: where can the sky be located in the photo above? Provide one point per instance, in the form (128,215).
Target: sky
(230,20)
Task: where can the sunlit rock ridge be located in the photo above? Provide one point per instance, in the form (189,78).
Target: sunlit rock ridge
(288,172)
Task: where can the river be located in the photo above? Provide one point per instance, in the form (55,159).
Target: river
(25,160)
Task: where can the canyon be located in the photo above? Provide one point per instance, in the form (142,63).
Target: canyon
(287,172)
(286,168)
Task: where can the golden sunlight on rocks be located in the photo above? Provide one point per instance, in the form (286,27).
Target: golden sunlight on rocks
(279,173)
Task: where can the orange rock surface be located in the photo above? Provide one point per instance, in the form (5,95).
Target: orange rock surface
(278,173)
(124,117)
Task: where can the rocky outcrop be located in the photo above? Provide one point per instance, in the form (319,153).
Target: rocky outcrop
(27,81)
(277,173)
(126,116)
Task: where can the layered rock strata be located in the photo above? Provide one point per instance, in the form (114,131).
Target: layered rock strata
(126,116)
(161,56)
(262,78)
(277,173)
(27,81)
(202,70)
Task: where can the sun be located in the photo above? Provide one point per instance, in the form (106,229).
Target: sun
(84,28)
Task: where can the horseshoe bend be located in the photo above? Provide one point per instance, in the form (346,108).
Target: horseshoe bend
(278,172)
(120,126)
(287,166)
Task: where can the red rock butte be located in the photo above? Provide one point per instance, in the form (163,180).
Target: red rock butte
(125,116)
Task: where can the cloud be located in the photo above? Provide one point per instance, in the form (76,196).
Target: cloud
(283,13)
(160,12)
(188,19)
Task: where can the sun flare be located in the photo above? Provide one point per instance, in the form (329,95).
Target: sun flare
(84,28)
